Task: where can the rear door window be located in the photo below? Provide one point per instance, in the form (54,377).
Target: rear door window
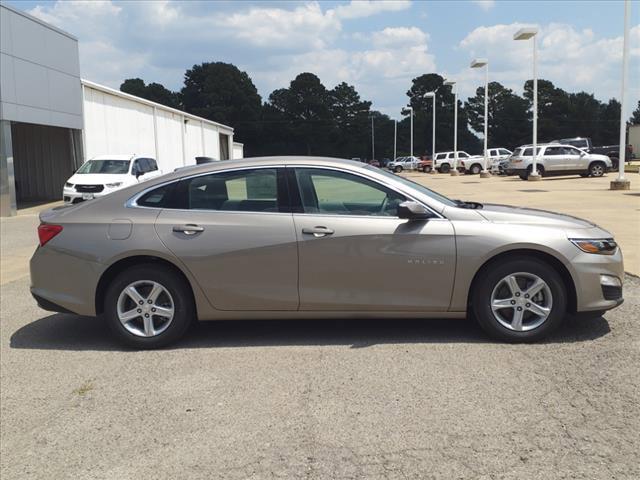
(254,190)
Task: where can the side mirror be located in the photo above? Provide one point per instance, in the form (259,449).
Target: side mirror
(413,211)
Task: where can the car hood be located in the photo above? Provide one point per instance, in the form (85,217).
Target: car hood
(97,178)
(530,216)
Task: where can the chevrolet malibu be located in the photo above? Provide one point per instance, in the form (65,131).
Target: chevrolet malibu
(301,237)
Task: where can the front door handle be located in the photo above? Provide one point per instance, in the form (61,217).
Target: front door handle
(188,229)
(318,231)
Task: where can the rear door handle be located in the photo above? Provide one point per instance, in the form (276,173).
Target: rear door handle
(188,229)
(318,231)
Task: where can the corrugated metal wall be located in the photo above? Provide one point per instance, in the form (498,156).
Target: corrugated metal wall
(44,158)
(117,124)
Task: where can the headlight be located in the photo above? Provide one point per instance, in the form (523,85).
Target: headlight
(68,185)
(113,185)
(601,246)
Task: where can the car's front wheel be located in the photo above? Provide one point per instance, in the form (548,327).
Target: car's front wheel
(397,169)
(426,169)
(475,168)
(148,306)
(520,300)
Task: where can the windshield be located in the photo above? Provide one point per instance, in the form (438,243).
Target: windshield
(105,166)
(416,186)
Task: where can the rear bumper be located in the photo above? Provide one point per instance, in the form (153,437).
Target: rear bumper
(45,304)
(62,282)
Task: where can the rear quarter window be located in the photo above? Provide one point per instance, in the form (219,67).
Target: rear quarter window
(156,198)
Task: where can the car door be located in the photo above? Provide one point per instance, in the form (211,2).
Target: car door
(234,232)
(554,159)
(576,159)
(355,254)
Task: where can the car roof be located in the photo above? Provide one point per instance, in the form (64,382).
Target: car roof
(263,161)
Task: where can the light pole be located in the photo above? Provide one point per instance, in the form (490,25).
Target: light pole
(526,34)
(621,183)
(373,144)
(454,87)
(395,139)
(479,63)
(432,95)
(411,133)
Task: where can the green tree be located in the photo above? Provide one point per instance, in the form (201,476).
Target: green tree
(553,110)
(154,92)
(221,92)
(350,132)
(508,122)
(304,109)
(635,115)
(609,123)
(423,119)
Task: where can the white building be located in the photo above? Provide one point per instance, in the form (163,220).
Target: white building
(52,121)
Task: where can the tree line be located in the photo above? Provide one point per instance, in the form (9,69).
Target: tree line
(306,118)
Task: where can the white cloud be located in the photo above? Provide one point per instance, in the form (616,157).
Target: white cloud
(303,27)
(485,4)
(367,8)
(399,37)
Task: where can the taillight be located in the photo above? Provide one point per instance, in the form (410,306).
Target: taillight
(46,232)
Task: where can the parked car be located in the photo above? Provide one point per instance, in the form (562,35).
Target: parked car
(426,164)
(611,151)
(403,163)
(374,163)
(496,157)
(298,237)
(557,159)
(107,173)
(444,161)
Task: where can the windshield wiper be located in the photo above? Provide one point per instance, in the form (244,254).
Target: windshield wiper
(470,205)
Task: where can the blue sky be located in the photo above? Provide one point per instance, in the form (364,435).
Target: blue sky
(376,46)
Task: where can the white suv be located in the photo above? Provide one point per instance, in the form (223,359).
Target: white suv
(107,173)
(443,161)
(557,159)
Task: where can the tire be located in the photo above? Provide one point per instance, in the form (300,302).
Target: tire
(426,169)
(524,176)
(492,286)
(597,169)
(584,175)
(475,169)
(397,169)
(176,293)
(445,168)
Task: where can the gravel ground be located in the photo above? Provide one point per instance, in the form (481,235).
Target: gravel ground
(318,399)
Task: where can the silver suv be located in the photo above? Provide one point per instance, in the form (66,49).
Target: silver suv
(403,163)
(557,159)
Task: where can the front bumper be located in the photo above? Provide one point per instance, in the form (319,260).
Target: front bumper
(592,275)
(70,196)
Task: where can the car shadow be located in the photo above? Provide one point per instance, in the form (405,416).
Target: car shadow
(75,333)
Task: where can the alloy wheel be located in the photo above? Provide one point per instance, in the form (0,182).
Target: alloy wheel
(521,301)
(145,308)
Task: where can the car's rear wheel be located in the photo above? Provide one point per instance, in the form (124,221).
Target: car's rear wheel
(445,168)
(148,306)
(397,169)
(597,169)
(426,169)
(475,169)
(520,300)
